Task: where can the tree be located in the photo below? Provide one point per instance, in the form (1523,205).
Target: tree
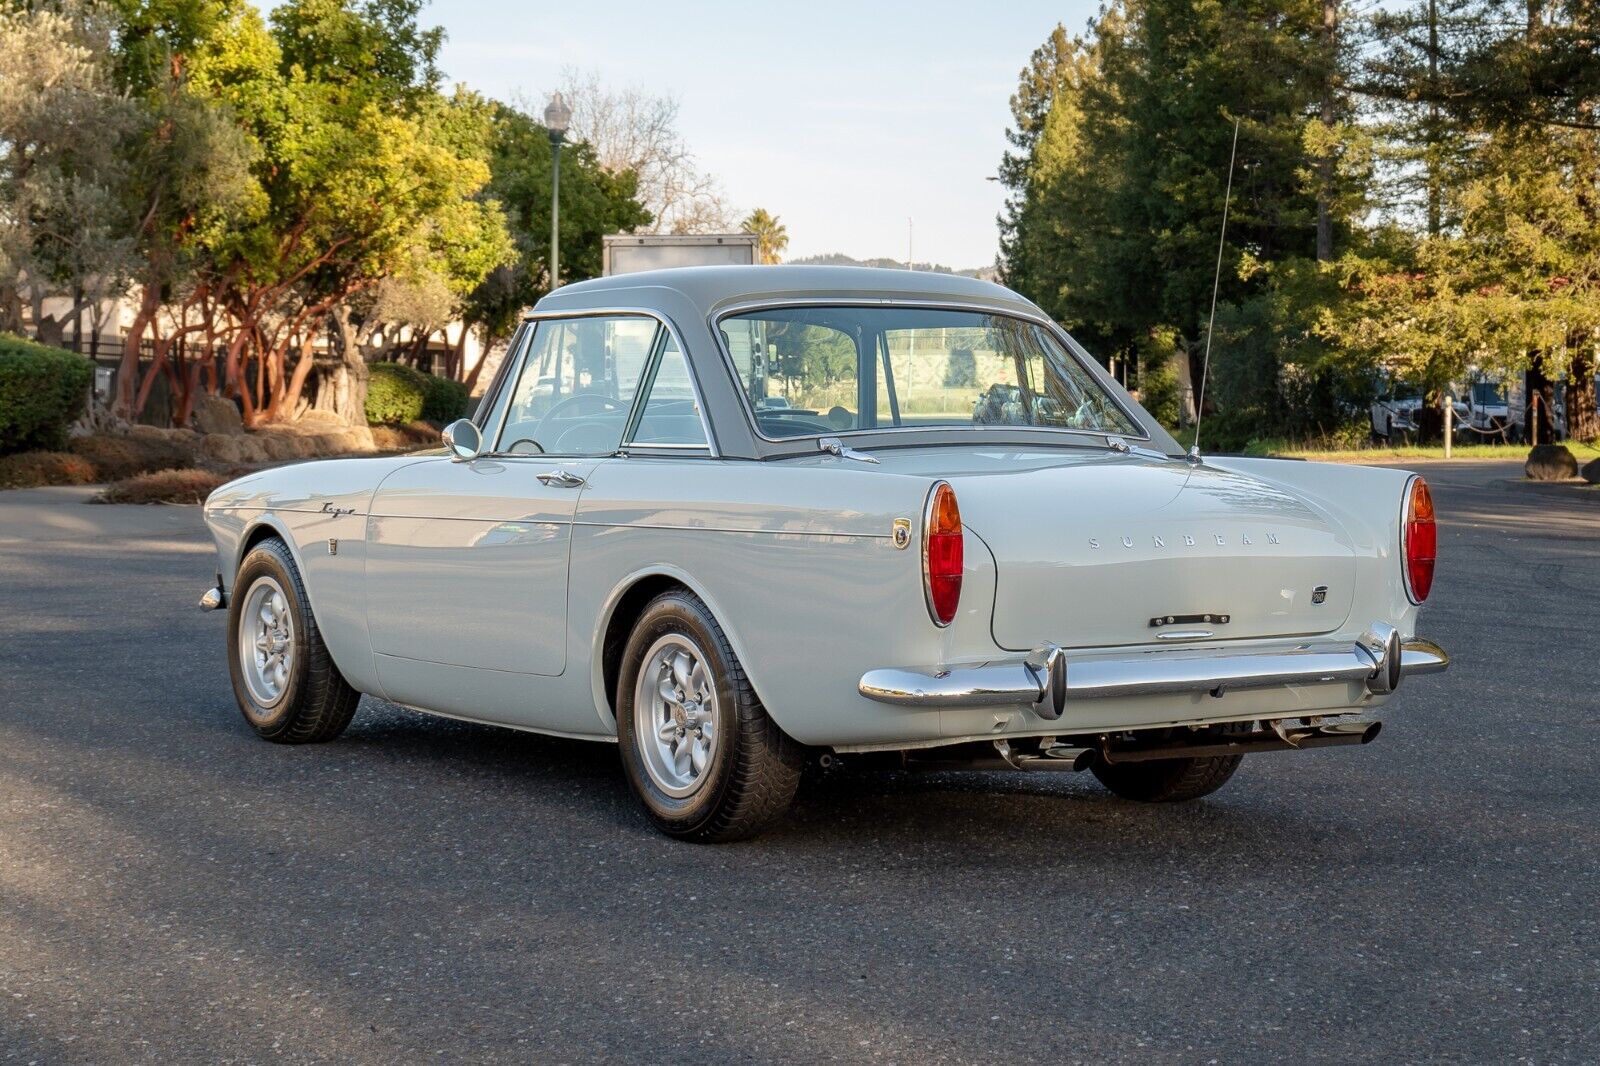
(1120,158)
(63,227)
(189,182)
(595,201)
(772,237)
(366,172)
(631,130)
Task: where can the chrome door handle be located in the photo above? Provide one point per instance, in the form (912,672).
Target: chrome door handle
(561,479)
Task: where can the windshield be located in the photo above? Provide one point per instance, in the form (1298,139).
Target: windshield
(819,370)
(1488,394)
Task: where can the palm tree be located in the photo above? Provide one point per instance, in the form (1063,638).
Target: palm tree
(771,236)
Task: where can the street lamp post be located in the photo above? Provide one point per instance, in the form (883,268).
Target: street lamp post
(557,116)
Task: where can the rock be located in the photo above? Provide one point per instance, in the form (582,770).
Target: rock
(351,440)
(251,450)
(221,448)
(324,418)
(143,432)
(213,414)
(279,446)
(1551,462)
(1591,472)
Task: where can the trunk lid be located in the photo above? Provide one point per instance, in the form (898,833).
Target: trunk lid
(1089,553)
(1090,548)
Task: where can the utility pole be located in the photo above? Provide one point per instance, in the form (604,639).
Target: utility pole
(556,117)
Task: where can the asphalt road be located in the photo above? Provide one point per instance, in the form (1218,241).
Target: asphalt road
(174,890)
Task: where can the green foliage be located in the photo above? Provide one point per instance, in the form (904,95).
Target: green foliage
(395,393)
(1459,204)
(1159,388)
(42,392)
(594,201)
(443,400)
(772,236)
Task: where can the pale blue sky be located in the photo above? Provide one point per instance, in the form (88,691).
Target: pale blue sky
(841,118)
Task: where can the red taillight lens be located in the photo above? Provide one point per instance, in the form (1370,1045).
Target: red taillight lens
(942,555)
(1419,541)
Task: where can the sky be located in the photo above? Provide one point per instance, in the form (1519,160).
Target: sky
(843,119)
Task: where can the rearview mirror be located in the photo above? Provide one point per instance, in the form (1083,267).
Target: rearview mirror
(463,440)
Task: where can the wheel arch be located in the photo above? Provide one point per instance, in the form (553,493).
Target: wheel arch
(622,609)
(265,527)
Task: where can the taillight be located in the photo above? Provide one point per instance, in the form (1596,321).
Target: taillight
(941,554)
(1419,540)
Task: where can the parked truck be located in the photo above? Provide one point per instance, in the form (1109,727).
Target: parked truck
(626,253)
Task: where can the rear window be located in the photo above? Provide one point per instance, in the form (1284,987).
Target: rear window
(812,371)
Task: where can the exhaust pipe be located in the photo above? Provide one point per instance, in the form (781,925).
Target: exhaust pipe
(1277,738)
(1060,758)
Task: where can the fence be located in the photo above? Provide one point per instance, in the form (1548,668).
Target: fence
(107,357)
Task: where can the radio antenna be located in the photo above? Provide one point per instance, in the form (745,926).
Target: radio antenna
(1216,282)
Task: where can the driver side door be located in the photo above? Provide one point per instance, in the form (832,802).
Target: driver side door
(467,561)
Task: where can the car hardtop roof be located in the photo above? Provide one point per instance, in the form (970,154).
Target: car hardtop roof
(709,287)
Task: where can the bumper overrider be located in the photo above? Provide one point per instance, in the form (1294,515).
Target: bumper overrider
(1047,679)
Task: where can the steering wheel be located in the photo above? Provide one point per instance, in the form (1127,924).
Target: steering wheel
(605,404)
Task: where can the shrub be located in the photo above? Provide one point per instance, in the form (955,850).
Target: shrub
(404,437)
(395,393)
(42,392)
(164,486)
(118,457)
(28,470)
(443,400)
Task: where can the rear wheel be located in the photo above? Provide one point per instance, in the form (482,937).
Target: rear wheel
(283,677)
(706,761)
(1167,780)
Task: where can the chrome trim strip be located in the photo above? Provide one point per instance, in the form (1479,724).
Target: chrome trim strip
(688,363)
(1020,681)
(1072,347)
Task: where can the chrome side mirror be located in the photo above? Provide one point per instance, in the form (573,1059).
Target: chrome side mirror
(463,440)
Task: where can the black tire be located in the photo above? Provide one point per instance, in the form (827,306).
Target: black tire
(1167,780)
(316,703)
(750,778)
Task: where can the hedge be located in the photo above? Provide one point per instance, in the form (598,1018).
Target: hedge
(443,400)
(399,393)
(42,392)
(395,393)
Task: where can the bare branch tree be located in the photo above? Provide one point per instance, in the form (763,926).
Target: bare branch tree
(633,129)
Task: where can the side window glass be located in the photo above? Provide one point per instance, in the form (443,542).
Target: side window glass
(491,418)
(577,385)
(671,414)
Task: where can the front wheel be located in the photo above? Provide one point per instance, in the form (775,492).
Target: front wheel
(699,750)
(287,686)
(1167,780)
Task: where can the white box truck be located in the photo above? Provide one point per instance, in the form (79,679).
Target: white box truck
(626,253)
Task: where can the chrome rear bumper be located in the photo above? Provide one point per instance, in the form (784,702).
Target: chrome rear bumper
(1047,679)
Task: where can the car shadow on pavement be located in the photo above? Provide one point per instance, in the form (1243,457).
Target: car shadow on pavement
(841,811)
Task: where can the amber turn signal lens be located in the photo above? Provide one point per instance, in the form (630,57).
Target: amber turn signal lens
(1419,541)
(942,558)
